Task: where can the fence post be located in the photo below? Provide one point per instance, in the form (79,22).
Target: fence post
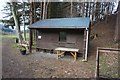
(97,64)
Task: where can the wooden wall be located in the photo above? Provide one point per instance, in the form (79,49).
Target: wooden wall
(50,39)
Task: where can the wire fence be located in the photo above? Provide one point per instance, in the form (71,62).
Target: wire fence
(107,63)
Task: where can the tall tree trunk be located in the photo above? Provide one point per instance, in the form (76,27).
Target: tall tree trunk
(41,5)
(87,12)
(34,12)
(46,9)
(71,9)
(14,12)
(49,10)
(44,4)
(83,8)
(31,13)
(24,21)
(97,12)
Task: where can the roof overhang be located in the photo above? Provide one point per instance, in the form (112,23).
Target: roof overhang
(61,23)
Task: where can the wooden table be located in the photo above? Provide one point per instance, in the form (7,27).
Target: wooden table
(62,50)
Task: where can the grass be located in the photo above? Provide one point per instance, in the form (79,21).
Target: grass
(13,36)
(15,46)
(27,36)
(107,70)
(103,66)
(8,36)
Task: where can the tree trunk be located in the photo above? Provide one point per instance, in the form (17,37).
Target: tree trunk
(31,13)
(86,5)
(44,4)
(71,11)
(41,5)
(34,12)
(83,8)
(24,21)
(49,10)
(46,9)
(14,12)
(97,12)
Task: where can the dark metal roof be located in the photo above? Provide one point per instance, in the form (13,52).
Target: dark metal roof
(62,23)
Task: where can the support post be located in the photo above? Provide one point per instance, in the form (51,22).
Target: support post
(97,65)
(86,44)
(30,41)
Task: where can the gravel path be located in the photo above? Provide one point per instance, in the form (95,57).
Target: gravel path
(14,64)
(41,65)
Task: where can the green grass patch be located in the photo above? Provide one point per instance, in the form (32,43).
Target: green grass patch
(103,65)
(13,36)
(107,69)
(8,36)
(15,46)
(27,36)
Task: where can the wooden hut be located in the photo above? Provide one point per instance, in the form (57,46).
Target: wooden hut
(61,32)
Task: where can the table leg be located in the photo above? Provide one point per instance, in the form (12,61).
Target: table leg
(57,54)
(62,54)
(75,56)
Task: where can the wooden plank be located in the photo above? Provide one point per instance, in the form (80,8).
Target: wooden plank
(71,50)
(67,49)
(110,49)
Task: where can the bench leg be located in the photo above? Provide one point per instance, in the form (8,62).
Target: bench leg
(74,54)
(57,54)
(60,54)
(75,57)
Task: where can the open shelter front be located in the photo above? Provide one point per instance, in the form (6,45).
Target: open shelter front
(72,33)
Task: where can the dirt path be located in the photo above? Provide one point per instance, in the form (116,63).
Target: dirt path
(38,65)
(0,58)
(14,64)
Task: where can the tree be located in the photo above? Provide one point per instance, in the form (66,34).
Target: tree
(24,21)
(44,9)
(22,14)
(34,11)
(16,20)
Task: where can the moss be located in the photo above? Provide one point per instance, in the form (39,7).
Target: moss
(22,48)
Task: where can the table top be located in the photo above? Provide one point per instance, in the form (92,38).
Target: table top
(66,49)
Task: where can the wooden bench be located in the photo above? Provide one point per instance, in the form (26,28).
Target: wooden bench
(62,50)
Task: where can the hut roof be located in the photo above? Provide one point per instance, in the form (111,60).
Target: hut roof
(78,22)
